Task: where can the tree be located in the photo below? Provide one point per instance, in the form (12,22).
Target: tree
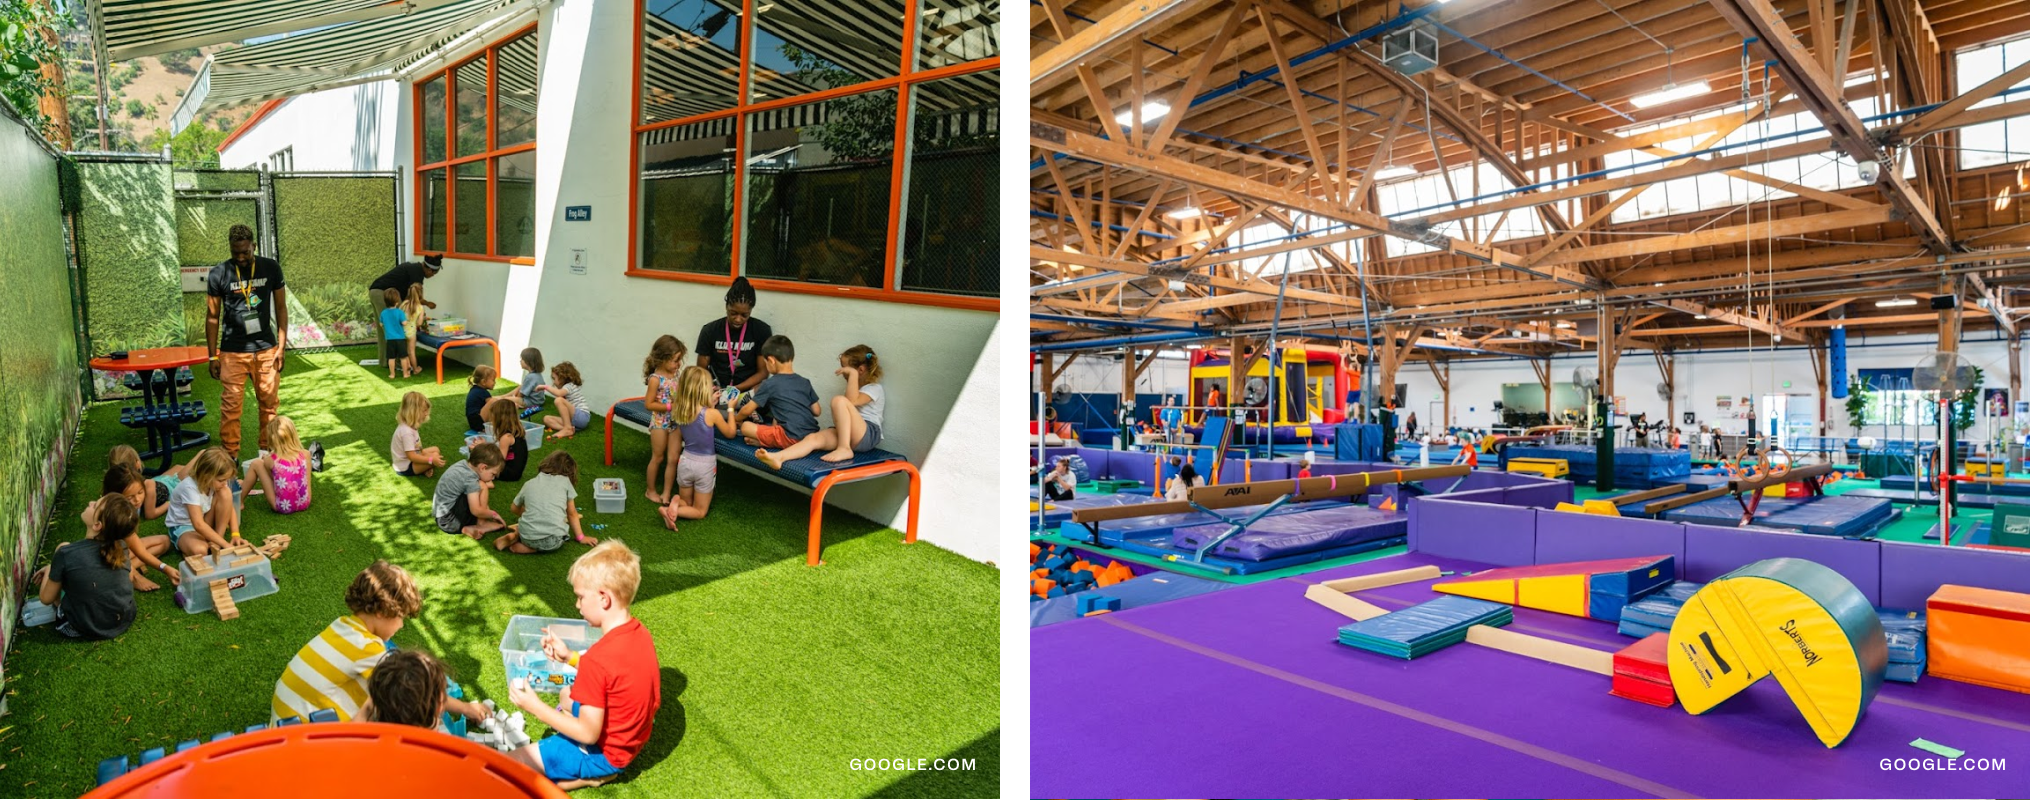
(197,147)
(858,127)
(136,108)
(23,51)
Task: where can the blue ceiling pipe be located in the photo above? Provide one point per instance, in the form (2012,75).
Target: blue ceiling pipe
(1118,323)
(1122,341)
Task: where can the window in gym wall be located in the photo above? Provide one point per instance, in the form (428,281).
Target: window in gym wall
(475,153)
(954,132)
(686,220)
(817,190)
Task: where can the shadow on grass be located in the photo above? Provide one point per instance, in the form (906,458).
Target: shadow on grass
(983,779)
(669,727)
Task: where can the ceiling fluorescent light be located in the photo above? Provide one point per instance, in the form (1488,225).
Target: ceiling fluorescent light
(1151,111)
(1896,302)
(1670,94)
(1698,316)
(1385,173)
(1186,212)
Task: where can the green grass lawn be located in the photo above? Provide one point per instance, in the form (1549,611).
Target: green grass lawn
(774,674)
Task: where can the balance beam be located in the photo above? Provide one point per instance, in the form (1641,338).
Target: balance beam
(1253,494)
(1380,579)
(1794,475)
(1661,506)
(1542,649)
(1354,607)
(1647,494)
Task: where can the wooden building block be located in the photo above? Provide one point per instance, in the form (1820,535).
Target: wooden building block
(1523,644)
(1381,579)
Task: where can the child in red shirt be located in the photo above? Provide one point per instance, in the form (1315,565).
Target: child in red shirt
(603,719)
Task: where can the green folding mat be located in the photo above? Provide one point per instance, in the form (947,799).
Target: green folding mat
(1424,628)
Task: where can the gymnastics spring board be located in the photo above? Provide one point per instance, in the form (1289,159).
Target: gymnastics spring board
(1291,703)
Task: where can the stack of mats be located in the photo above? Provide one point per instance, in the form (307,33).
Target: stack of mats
(1424,628)
(1634,467)
(1642,674)
(1655,612)
(1978,636)
(1845,515)
(1905,630)
(1592,589)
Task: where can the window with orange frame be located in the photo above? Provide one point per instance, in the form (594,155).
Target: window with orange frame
(476,154)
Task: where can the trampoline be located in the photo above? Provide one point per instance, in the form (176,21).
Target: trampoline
(1298,715)
(1845,515)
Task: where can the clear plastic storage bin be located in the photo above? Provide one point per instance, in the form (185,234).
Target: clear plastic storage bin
(610,495)
(246,583)
(521,650)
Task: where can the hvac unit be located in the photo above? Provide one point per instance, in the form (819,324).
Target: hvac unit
(1410,50)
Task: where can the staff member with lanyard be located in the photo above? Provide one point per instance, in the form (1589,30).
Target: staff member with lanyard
(403,276)
(729,346)
(246,295)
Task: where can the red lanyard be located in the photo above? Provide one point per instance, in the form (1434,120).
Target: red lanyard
(732,354)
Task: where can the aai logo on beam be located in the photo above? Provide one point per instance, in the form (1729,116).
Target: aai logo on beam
(577,213)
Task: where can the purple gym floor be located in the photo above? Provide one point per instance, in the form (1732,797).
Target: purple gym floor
(1245,693)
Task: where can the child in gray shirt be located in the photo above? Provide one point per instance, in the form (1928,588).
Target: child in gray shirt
(547,508)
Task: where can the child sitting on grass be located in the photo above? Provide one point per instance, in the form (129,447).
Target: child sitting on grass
(548,509)
(461,504)
(407,446)
(87,581)
(124,481)
(408,687)
(530,397)
(856,414)
(568,387)
(482,381)
(603,720)
(331,671)
(283,475)
(509,437)
(202,514)
(156,503)
(394,334)
(791,402)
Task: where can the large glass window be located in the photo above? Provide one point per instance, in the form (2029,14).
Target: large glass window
(817,190)
(956,31)
(955,128)
(2005,140)
(686,217)
(690,58)
(741,171)
(475,153)
(804,46)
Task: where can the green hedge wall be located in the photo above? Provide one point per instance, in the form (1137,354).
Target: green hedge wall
(334,236)
(39,400)
(211,181)
(201,227)
(128,250)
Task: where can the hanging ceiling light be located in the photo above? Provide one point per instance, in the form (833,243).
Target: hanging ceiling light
(1151,111)
(1670,93)
(1896,302)
(1187,212)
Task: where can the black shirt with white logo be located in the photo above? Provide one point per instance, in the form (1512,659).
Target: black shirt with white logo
(745,341)
(246,299)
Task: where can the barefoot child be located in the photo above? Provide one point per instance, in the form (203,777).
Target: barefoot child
(856,414)
(202,515)
(476,398)
(283,475)
(791,402)
(697,462)
(548,509)
(141,550)
(603,720)
(411,457)
(331,671)
(659,372)
(86,581)
(413,317)
(157,502)
(568,387)
(394,336)
(461,503)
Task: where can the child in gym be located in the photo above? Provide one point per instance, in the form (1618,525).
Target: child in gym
(530,397)
(413,318)
(476,397)
(548,508)
(568,387)
(283,475)
(509,437)
(407,688)
(791,403)
(394,334)
(856,413)
(407,447)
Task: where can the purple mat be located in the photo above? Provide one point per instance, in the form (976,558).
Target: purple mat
(1293,534)
(1466,721)
(1489,534)
(1711,552)
(1563,536)
(1911,572)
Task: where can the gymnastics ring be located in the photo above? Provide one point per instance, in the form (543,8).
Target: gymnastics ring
(1743,472)
(1773,472)
(1050,413)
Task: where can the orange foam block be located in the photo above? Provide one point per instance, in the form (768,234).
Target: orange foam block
(1979,636)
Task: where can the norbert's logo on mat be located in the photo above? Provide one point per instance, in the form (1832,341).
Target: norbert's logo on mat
(1789,628)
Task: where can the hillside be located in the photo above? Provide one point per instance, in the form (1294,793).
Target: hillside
(141,95)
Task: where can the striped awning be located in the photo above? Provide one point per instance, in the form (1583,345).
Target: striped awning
(341,55)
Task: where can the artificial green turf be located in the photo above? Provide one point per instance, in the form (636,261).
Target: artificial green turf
(774,674)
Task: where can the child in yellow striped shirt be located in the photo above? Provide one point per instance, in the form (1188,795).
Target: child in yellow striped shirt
(332,670)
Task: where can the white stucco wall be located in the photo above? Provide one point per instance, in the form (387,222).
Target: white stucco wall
(348,129)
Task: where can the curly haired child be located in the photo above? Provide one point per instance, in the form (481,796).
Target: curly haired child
(331,671)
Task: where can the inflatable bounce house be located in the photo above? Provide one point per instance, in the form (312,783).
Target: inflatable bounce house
(1307,401)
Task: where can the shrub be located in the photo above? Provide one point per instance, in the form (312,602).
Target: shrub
(201,227)
(127,236)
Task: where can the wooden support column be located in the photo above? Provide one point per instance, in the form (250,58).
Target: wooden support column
(1610,349)
(1821,370)
(1128,374)
(1048,376)
(2015,371)
(1441,371)
(1543,369)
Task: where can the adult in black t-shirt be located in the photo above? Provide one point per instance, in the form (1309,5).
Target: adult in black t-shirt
(246,324)
(730,345)
(404,275)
